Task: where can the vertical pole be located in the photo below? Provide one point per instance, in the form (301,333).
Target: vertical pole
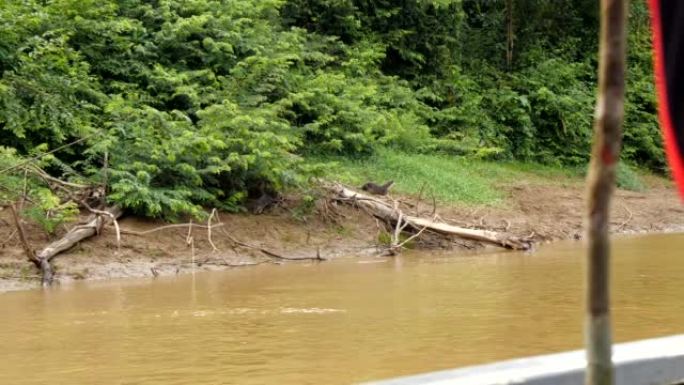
(601,180)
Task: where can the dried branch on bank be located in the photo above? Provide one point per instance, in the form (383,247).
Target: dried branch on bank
(390,213)
(28,250)
(166,227)
(269,252)
(213,213)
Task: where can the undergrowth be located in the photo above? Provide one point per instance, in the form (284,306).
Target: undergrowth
(450,179)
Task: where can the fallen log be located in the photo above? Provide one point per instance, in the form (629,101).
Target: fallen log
(385,211)
(93,225)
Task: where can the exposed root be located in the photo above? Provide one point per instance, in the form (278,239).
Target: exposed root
(268,252)
(329,211)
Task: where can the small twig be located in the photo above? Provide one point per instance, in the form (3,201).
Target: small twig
(420,198)
(213,212)
(6,241)
(398,228)
(482,221)
(434,203)
(190,241)
(21,164)
(49,178)
(111,216)
(105,175)
(404,226)
(24,192)
(412,237)
(622,226)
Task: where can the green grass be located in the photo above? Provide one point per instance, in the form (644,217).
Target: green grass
(451,179)
(627,177)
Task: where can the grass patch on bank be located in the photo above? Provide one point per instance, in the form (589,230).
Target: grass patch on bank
(627,178)
(451,179)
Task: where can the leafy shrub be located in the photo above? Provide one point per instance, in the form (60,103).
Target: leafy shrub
(628,179)
(207,102)
(49,212)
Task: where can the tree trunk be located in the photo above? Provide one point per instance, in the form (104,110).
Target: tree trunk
(601,180)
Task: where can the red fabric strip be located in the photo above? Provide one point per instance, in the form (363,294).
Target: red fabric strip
(674,156)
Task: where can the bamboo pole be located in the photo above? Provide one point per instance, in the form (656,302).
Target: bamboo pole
(600,181)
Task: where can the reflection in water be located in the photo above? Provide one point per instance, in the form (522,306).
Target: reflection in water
(332,323)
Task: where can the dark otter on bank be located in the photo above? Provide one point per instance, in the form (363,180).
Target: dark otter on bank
(262,197)
(377,189)
(260,204)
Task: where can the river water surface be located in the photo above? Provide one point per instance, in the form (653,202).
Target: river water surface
(337,322)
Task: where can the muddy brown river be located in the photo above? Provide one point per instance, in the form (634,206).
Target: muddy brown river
(337,322)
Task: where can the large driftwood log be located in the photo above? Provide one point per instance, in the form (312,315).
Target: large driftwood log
(93,225)
(383,210)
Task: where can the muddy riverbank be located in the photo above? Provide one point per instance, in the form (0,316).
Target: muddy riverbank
(544,212)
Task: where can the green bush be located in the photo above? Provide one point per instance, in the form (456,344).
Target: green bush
(626,178)
(209,102)
(47,210)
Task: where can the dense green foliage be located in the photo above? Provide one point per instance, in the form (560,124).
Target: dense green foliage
(206,102)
